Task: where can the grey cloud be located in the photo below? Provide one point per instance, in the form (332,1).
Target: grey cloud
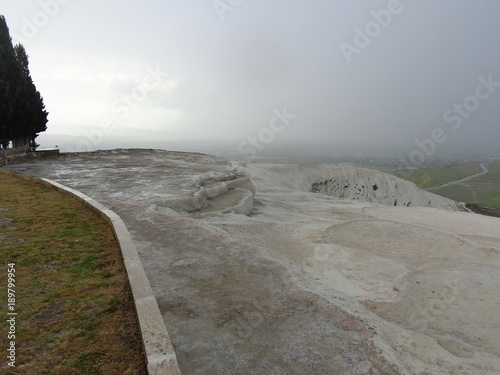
(232,74)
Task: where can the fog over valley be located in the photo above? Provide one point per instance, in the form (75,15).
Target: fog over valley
(376,77)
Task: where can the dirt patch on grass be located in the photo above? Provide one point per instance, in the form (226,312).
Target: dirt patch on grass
(75,312)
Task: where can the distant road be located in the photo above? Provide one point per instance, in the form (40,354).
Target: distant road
(485,170)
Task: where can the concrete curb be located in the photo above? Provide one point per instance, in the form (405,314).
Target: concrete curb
(160,355)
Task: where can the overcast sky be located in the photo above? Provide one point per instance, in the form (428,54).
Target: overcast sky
(339,72)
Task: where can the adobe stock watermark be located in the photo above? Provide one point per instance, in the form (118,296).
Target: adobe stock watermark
(222,7)
(11,314)
(48,10)
(265,136)
(429,311)
(454,117)
(364,36)
(424,311)
(122,107)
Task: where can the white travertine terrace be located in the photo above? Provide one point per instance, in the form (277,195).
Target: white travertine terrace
(304,283)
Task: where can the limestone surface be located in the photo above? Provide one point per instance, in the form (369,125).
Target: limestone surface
(305,282)
(348,181)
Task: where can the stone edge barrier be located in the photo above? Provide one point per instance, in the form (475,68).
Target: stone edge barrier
(160,354)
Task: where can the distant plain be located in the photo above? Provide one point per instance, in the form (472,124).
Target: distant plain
(483,190)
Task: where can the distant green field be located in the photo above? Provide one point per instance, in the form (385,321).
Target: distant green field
(431,177)
(484,190)
(457,192)
(472,193)
(492,178)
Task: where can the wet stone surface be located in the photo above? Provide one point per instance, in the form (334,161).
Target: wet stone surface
(295,287)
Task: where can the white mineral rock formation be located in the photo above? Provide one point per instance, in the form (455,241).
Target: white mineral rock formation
(347,181)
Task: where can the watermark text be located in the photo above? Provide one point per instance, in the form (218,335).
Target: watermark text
(265,136)
(11,314)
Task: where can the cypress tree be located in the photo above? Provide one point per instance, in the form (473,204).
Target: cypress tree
(10,75)
(22,111)
(31,117)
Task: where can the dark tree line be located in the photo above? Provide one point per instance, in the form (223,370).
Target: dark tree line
(22,112)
